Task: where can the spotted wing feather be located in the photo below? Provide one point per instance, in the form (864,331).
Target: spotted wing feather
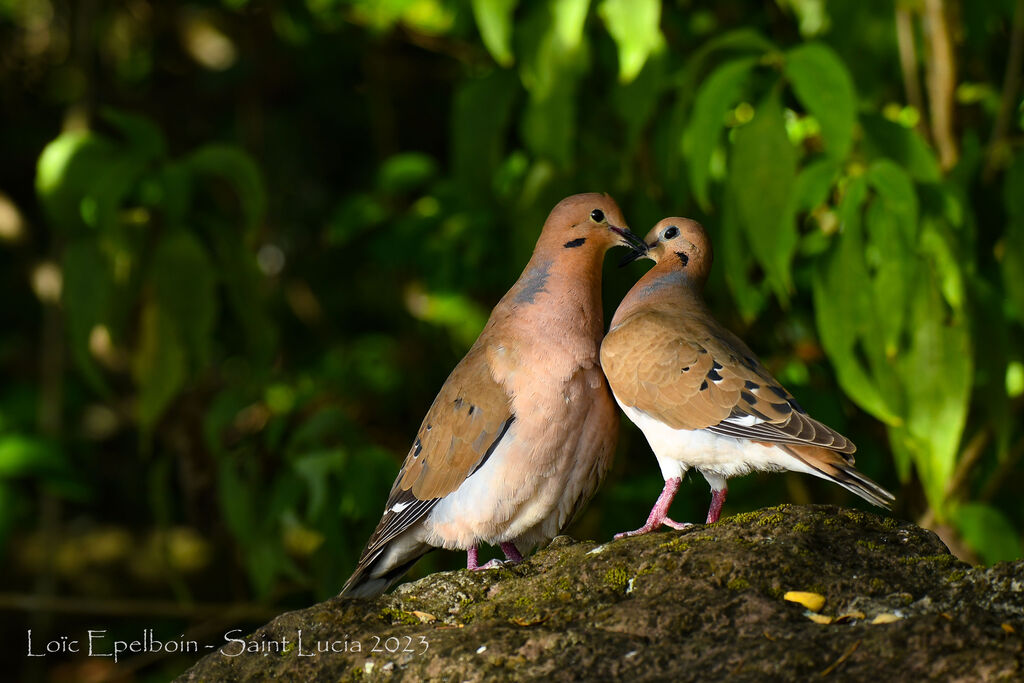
(690,373)
(464,425)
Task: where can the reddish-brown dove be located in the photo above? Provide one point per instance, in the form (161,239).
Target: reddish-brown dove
(523,430)
(699,394)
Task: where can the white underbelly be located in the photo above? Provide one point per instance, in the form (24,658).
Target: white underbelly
(717,455)
(523,493)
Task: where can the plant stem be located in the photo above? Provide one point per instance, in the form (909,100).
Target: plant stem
(941,78)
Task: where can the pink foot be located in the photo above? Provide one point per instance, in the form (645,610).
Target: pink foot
(659,513)
(511,554)
(717,501)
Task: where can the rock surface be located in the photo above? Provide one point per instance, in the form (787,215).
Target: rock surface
(702,604)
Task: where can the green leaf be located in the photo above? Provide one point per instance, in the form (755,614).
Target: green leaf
(316,469)
(636,102)
(159,367)
(738,262)
(1013,265)
(762,173)
(714,98)
(239,170)
(814,183)
(28,455)
(896,188)
(843,306)
(936,371)
(884,138)
(892,226)
(143,136)
(406,172)
(67,170)
(568,20)
(87,296)
(634,26)
(553,59)
(736,40)
(481,116)
(988,532)
(185,289)
(494,20)
(824,86)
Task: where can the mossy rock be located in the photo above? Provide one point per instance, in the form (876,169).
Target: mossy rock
(701,604)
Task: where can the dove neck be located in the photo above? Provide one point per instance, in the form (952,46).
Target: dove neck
(561,289)
(663,286)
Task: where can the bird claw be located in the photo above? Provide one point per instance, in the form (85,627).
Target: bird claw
(651,526)
(493,564)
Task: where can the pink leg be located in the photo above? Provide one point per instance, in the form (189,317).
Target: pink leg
(472,555)
(659,513)
(717,501)
(511,553)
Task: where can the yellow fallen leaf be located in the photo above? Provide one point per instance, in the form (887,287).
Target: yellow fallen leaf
(819,618)
(886,618)
(812,601)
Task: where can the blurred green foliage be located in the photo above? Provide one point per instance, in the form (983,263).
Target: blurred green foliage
(261,234)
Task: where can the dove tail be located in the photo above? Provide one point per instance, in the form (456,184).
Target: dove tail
(835,468)
(375,573)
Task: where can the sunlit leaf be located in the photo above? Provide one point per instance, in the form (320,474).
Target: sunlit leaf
(762,173)
(494,19)
(634,25)
(988,532)
(406,172)
(552,62)
(825,88)
(717,94)
(66,172)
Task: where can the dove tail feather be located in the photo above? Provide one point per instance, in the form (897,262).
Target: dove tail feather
(375,574)
(831,466)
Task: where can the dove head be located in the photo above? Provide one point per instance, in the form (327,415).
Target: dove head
(586,223)
(679,244)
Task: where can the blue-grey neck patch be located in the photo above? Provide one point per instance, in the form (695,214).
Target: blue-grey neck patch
(532,283)
(673,279)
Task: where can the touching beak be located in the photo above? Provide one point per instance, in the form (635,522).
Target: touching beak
(638,252)
(628,238)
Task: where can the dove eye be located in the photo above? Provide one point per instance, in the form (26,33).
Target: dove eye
(672,232)
(597,215)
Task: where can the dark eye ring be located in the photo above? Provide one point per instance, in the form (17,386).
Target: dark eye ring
(597,215)
(672,232)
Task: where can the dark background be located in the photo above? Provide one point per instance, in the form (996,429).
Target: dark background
(243,243)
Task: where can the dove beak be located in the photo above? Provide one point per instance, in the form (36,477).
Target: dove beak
(628,238)
(639,251)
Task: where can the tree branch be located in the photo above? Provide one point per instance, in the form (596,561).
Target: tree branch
(908,63)
(941,75)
